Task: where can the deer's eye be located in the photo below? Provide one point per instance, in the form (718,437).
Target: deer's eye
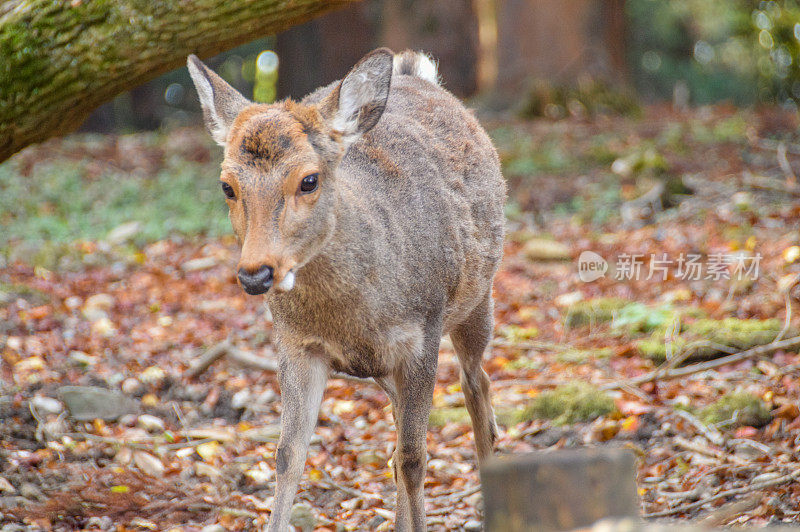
(309,183)
(228,191)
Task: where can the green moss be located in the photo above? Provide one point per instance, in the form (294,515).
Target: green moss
(704,336)
(581,356)
(593,311)
(737,409)
(571,403)
(10,292)
(440,417)
(515,333)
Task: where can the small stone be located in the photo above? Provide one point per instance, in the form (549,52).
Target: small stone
(152,374)
(213,528)
(6,487)
(148,463)
(302,517)
(123,233)
(151,423)
(203,263)
(473,526)
(241,399)
(104,327)
(124,456)
(31,491)
(130,386)
(47,405)
(542,249)
(86,403)
(97,306)
(73,302)
(81,359)
(103,523)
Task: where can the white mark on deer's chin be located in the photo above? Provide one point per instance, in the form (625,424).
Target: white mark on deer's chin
(287,283)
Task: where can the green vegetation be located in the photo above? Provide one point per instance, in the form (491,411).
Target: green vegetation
(439,417)
(704,337)
(63,200)
(575,402)
(593,311)
(742,50)
(737,409)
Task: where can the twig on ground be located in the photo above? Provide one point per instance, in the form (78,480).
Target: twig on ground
(705,366)
(204,361)
(708,451)
(726,493)
(710,433)
(247,359)
(725,513)
(786,168)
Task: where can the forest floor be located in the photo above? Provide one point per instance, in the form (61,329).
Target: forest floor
(119,273)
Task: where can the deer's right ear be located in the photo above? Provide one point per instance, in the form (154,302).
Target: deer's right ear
(221,103)
(358,102)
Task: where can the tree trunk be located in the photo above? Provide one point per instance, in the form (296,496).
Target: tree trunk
(557,42)
(60,60)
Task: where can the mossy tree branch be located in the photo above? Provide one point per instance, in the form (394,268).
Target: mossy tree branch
(61,60)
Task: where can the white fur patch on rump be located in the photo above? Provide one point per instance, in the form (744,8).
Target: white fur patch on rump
(417,64)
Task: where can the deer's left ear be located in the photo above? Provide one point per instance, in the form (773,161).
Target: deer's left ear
(357,103)
(221,103)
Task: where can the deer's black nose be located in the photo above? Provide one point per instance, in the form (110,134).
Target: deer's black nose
(256,282)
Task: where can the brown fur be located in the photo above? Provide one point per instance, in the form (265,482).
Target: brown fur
(396,247)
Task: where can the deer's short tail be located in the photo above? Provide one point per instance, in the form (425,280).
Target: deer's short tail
(416,64)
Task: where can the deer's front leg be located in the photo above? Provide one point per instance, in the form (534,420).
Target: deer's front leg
(302,377)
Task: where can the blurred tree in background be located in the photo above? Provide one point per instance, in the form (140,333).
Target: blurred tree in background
(743,50)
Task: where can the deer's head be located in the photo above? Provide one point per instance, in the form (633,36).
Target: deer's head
(280,162)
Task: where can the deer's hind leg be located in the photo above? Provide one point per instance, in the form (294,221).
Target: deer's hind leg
(470,339)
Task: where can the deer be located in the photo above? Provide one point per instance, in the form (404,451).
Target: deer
(370,214)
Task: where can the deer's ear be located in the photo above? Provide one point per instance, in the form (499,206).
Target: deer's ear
(357,103)
(221,103)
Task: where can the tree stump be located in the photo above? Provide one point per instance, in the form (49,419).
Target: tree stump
(561,490)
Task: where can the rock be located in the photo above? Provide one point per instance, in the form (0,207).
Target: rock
(103,523)
(213,528)
(31,491)
(203,263)
(47,405)
(302,517)
(241,399)
(152,374)
(86,403)
(542,249)
(81,359)
(97,306)
(104,327)
(148,463)
(150,423)
(473,526)
(6,487)
(130,386)
(123,233)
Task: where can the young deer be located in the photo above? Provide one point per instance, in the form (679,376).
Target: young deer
(371,215)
